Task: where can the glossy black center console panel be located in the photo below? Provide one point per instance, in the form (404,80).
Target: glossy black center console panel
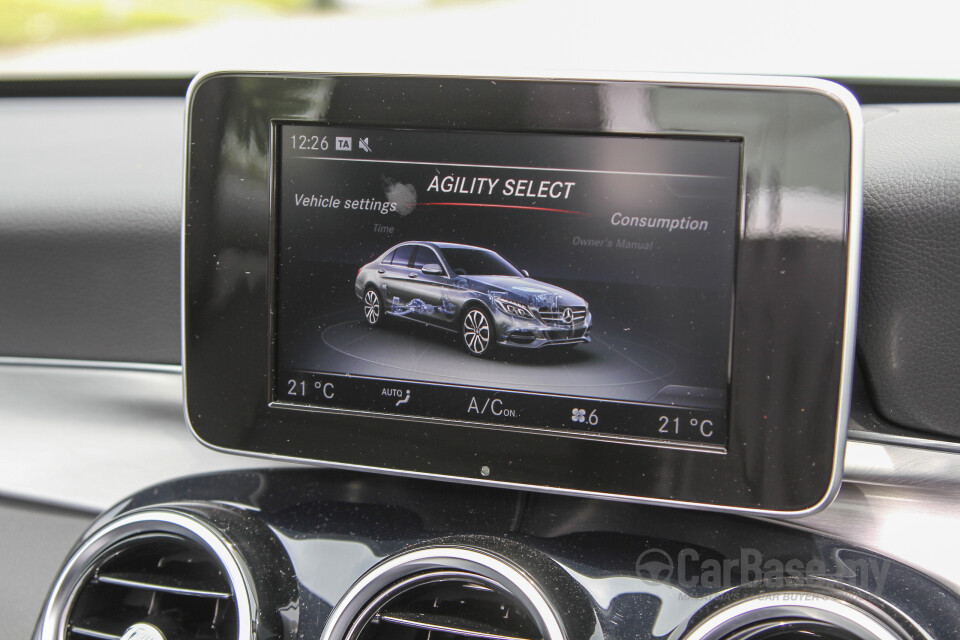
(609,570)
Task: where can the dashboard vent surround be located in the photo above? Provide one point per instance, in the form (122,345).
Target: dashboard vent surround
(445,605)
(794,615)
(787,629)
(444,593)
(163,580)
(154,576)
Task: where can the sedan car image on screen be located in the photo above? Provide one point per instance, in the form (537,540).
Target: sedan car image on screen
(472,291)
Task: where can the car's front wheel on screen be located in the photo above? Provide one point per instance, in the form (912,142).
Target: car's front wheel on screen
(373,307)
(478,333)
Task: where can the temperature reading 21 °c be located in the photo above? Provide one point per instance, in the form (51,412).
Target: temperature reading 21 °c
(676,426)
(300,388)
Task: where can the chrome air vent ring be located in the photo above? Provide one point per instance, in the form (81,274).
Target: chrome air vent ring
(140,529)
(443,566)
(774,613)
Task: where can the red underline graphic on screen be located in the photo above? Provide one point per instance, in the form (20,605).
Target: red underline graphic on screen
(499,206)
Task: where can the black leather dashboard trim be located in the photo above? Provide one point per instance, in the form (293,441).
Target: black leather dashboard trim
(909,337)
(95,86)
(888,91)
(867,91)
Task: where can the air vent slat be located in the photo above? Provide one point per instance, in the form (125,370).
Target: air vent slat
(93,633)
(171,582)
(165,584)
(447,624)
(105,626)
(446,605)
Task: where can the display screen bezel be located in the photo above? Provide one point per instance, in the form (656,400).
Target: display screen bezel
(716,445)
(787,411)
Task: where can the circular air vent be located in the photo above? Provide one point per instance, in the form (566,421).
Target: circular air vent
(444,593)
(455,604)
(793,616)
(152,575)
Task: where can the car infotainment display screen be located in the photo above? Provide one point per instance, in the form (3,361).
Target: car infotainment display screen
(580,284)
(631,289)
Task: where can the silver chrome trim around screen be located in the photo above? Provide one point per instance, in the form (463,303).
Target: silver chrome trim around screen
(854,244)
(834,91)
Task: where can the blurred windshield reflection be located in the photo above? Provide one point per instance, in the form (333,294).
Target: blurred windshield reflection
(179,37)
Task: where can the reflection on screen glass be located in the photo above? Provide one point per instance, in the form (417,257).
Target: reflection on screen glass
(581,284)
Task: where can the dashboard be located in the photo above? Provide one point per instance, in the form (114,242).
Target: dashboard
(91,396)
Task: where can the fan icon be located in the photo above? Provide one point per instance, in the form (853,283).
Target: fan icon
(579,415)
